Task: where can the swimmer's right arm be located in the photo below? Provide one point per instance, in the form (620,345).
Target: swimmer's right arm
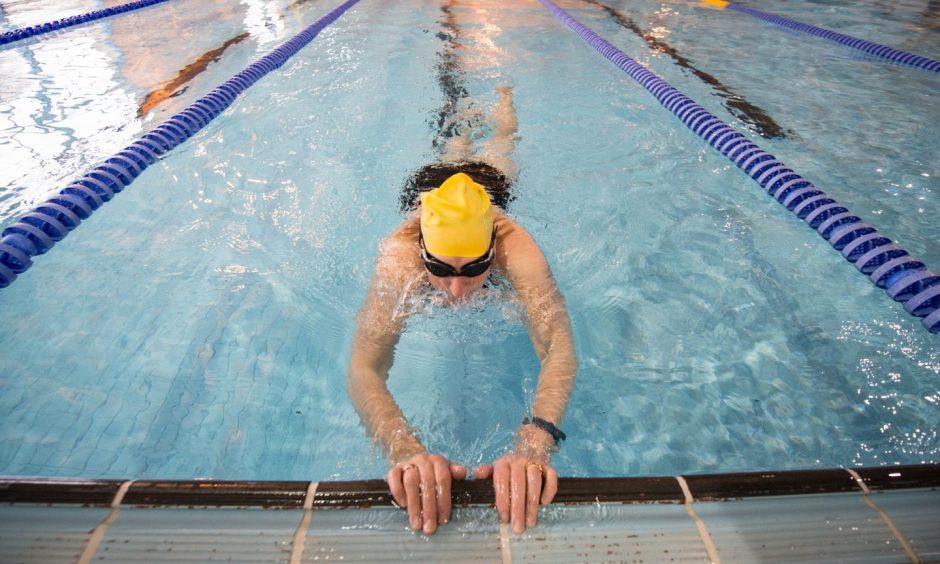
(418,481)
(377,333)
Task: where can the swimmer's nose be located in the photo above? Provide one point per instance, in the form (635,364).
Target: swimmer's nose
(459,287)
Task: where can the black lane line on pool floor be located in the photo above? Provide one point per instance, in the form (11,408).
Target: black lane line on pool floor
(172,88)
(450,78)
(762,124)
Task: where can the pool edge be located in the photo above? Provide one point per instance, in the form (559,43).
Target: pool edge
(371,493)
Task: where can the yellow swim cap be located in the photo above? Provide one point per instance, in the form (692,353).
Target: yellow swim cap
(457,218)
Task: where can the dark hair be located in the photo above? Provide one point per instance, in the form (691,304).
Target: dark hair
(429,177)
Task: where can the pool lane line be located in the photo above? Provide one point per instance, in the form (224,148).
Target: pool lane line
(877,49)
(300,535)
(905,544)
(37,231)
(763,124)
(94,540)
(703,533)
(40,29)
(887,265)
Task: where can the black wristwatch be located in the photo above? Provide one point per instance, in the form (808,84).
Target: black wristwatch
(546,426)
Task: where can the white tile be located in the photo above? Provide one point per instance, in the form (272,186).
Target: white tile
(40,533)
(808,528)
(916,514)
(611,532)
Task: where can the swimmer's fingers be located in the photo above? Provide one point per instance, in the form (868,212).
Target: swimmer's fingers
(458,472)
(411,477)
(428,491)
(551,485)
(501,475)
(443,479)
(482,472)
(394,480)
(521,484)
(534,474)
(517,497)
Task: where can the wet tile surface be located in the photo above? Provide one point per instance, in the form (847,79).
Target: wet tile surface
(611,532)
(46,533)
(916,514)
(382,534)
(816,528)
(199,535)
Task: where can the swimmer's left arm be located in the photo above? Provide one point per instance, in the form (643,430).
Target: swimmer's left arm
(550,331)
(524,478)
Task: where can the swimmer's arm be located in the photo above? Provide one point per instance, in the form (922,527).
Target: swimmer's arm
(550,331)
(377,333)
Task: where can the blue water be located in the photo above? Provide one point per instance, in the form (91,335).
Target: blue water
(199,324)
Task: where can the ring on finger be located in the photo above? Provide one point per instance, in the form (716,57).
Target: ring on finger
(406,467)
(535,464)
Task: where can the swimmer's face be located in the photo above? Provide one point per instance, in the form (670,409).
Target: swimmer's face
(458,287)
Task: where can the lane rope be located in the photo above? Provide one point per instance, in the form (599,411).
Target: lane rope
(32,31)
(890,267)
(876,49)
(36,232)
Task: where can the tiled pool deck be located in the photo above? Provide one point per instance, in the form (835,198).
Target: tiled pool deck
(889,514)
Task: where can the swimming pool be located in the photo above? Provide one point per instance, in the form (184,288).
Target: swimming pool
(199,325)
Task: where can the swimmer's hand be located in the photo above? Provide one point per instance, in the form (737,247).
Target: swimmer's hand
(422,484)
(520,483)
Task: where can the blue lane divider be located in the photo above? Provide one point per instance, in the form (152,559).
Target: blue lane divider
(26,32)
(37,231)
(890,267)
(890,53)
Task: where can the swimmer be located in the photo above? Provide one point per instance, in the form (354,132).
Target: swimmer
(454,241)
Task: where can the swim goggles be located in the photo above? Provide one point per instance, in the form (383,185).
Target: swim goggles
(444,270)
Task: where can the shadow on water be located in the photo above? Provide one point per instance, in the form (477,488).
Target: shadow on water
(172,88)
(772,385)
(192,385)
(297,4)
(767,396)
(747,112)
(930,16)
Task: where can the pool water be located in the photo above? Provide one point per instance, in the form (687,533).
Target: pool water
(199,325)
